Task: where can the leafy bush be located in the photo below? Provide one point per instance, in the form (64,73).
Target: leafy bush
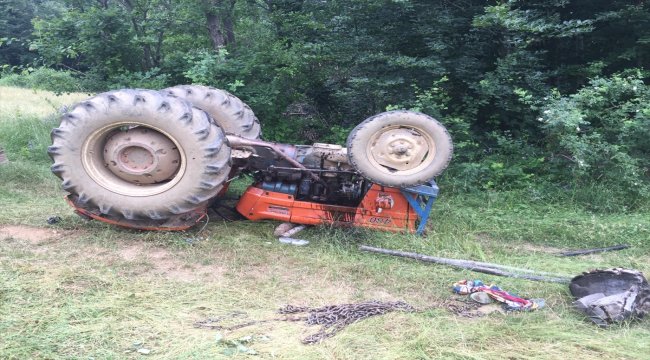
(602,134)
(44,79)
(204,66)
(506,163)
(151,79)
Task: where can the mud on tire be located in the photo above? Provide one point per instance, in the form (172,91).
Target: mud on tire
(400,148)
(136,154)
(227,110)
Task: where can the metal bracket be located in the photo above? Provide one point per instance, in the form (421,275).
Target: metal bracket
(175,223)
(421,199)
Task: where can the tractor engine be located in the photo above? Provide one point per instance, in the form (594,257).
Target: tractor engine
(324,174)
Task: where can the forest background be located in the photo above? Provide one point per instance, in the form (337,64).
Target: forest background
(549,99)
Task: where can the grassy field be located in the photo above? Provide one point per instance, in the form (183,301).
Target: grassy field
(84,290)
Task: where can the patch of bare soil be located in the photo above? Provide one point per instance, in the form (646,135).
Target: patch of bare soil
(164,263)
(33,235)
(147,260)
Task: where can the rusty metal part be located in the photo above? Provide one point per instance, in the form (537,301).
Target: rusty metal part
(141,156)
(176,223)
(240,153)
(401,148)
(236,141)
(330,152)
(334,318)
(273,167)
(331,318)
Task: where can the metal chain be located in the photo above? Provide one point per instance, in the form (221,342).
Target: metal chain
(334,318)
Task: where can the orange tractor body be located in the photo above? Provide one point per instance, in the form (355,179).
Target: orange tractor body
(381,208)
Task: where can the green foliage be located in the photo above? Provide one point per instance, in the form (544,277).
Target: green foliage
(508,164)
(602,132)
(536,21)
(15,29)
(204,65)
(151,79)
(44,79)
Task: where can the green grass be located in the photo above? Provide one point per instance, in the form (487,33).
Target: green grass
(83,289)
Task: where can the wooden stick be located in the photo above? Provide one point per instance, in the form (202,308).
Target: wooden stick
(591,251)
(487,268)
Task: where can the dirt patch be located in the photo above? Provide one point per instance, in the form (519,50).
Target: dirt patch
(33,235)
(139,257)
(159,261)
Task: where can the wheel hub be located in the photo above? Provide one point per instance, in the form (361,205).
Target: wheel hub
(399,148)
(141,156)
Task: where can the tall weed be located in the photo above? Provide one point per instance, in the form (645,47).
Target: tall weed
(26,138)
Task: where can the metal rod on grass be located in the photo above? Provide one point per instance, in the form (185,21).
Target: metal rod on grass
(487,268)
(592,251)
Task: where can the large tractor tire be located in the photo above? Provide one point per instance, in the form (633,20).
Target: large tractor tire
(227,110)
(139,155)
(400,148)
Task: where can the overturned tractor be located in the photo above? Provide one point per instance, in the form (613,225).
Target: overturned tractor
(156,160)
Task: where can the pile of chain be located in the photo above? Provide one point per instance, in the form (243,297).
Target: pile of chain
(331,318)
(334,318)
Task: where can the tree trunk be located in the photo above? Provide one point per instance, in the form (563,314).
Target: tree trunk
(230,32)
(219,17)
(214,30)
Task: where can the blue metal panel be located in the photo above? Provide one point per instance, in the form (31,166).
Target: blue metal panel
(421,199)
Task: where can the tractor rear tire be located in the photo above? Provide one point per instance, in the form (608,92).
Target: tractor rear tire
(139,155)
(227,110)
(400,148)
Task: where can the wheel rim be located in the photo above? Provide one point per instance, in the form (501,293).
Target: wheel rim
(133,159)
(401,150)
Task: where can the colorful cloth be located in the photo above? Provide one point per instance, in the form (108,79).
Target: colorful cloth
(510,301)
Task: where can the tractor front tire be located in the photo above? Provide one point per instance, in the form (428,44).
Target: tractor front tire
(400,148)
(139,155)
(230,113)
